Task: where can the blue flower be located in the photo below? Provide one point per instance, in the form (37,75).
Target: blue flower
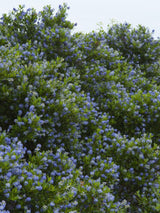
(28,199)
(31,108)
(52,204)
(18,206)
(39,188)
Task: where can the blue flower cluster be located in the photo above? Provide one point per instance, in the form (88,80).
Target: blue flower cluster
(79,116)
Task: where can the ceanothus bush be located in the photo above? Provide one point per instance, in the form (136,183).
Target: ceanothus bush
(79,116)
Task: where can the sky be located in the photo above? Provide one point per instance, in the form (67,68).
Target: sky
(91,14)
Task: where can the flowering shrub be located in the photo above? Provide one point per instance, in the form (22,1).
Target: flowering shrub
(136,45)
(79,116)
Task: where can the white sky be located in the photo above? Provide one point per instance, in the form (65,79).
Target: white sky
(89,13)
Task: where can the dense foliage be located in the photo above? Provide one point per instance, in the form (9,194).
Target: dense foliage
(79,116)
